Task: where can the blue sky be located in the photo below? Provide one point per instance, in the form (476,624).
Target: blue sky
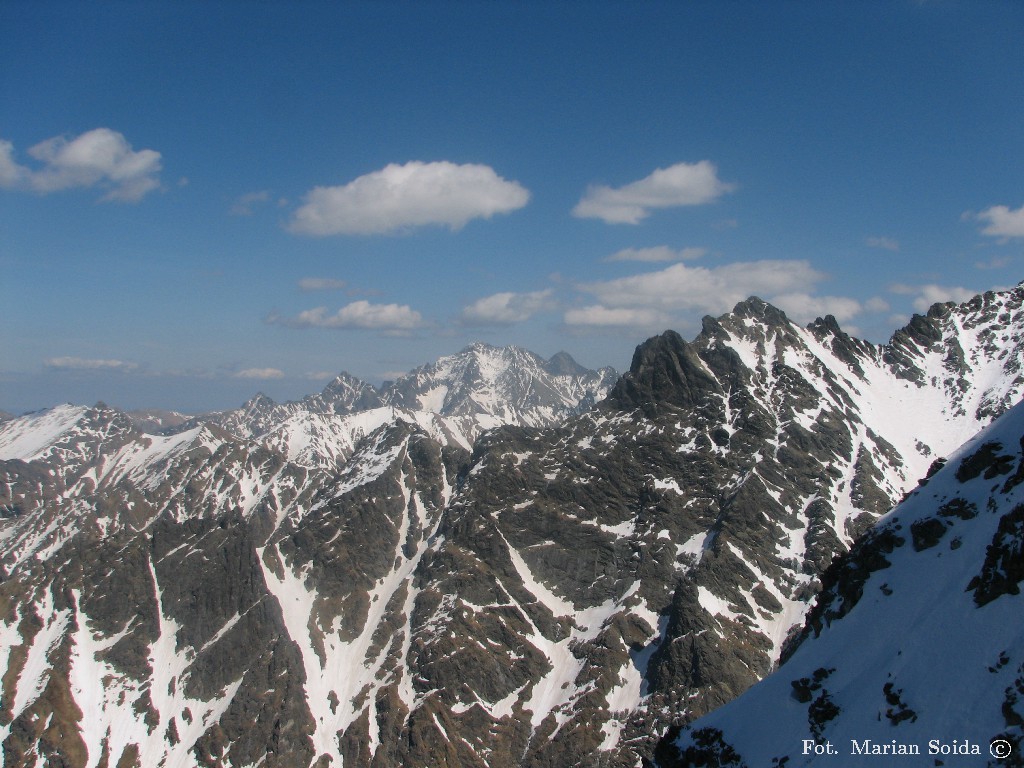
(202,201)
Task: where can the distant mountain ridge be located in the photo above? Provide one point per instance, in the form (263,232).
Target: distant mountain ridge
(454,399)
(386,587)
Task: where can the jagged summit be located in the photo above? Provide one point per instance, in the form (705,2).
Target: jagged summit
(563,364)
(757,309)
(665,369)
(510,384)
(945,347)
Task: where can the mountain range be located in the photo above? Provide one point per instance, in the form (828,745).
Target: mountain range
(494,561)
(454,399)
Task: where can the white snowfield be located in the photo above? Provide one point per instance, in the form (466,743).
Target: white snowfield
(917,633)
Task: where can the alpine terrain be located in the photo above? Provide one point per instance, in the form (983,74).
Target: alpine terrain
(388,577)
(914,650)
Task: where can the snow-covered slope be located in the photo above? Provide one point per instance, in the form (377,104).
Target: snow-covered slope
(915,649)
(73,470)
(328,440)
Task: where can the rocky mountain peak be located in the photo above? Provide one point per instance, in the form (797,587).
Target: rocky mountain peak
(664,369)
(756,308)
(259,402)
(563,364)
(346,394)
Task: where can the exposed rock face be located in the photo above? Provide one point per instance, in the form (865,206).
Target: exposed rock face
(375,594)
(914,646)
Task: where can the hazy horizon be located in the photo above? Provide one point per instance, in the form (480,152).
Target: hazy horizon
(203,201)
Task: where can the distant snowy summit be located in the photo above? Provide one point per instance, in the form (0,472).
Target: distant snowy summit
(454,399)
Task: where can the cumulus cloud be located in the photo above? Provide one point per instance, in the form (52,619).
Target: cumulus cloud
(88,364)
(886,243)
(357,315)
(99,158)
(663,297)
(708,289)
(657,253)
(310,284)
(260,373)
(244,204)
(507,308)
(926,295)
(598,316)
(12,175)
(400,197)
(678,185)
(803,307)
(1003,222)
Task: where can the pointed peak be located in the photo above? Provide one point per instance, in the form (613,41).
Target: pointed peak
(563,364)
(477,347)
(345,380)
(826,326)
(259,400)
(757,308)
(665,369)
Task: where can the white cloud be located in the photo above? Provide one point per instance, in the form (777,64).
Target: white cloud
(662,298)
(260,373)
(86,364)
(657,253)
(708,289)
(309,284)
(400,197)
(99,158)
(599,316)
(677,185)
(1002,222)
(357,315)
(933,294)
(244,204)
(507,308)
(877,304)
(12,175)
(803,308)
(886,243)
